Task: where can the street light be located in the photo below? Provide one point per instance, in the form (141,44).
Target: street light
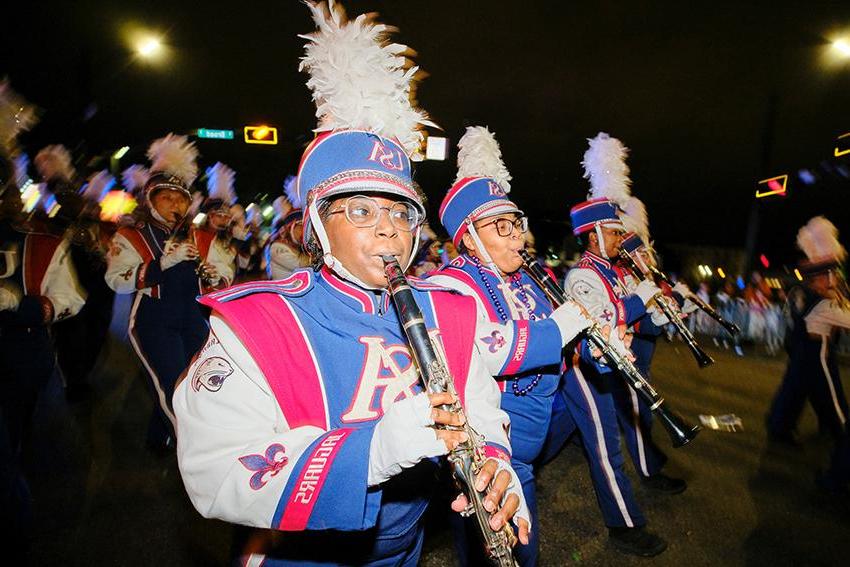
(149,47)
(842,47)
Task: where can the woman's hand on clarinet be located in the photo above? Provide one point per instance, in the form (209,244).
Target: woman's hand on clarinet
(176,253)
(504,498)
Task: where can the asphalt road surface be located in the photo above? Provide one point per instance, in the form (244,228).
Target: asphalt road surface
(100,498)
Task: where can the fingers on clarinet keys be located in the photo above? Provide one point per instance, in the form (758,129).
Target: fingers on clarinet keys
(636,541)
(501,500)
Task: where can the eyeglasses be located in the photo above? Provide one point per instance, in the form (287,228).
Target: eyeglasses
(505,227)
(365,212)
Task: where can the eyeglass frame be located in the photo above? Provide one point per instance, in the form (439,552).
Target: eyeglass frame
(419,217)
(522,226)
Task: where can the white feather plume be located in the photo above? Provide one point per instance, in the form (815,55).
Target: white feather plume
(281,207)
(479,155)
(174,155)
(635,219)
(195,206)
(98,185)
(290,189)
(220,180)
(54,163)
(818,239)
(359,79)
(16,116)
(605,166)
(135,177)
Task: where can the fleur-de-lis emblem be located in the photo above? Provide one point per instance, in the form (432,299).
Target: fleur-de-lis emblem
(495,341)
(607,315)
(271,463)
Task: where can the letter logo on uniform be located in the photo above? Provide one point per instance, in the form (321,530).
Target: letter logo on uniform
(388,158)
(495,189)
(210,374)
(8,262)
(388,374)
(516,305)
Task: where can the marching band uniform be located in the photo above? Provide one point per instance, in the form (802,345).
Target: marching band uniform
(38,286)
(303,412)
(80,339)
(633,412)
(527,393)
(166,326)
(588,385)
(812,372)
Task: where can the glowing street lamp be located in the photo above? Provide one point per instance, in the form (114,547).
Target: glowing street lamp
(149,47)
(842,47)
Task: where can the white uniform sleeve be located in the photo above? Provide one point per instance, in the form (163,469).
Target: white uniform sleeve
(224,260)
(226,413)
(826,315)
(123,263)
(61,286)
(585,287)
(284,260)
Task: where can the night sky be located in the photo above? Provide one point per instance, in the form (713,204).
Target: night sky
(710,96)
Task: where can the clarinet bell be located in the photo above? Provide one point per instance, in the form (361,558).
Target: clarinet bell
(680,432)
(703,359)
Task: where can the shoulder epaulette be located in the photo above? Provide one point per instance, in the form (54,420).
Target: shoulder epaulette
(295,285)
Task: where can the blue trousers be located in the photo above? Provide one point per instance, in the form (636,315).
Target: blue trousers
(635,420)
(165,346)
(591,404)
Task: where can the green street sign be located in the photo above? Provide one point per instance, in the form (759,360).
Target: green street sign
(215,134)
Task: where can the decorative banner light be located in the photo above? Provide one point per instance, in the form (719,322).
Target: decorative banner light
(839,149)
(721,273)
(739,281)
(121,152)
(764,261)
(436,148)
(798,275)
(772,186)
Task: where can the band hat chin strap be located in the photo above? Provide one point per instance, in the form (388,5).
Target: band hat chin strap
(602,251)
(155,214)
(482,250)
(333,263)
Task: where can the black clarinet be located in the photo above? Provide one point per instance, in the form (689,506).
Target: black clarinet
(467,458)
(703,358)
(680,432)
(730,327)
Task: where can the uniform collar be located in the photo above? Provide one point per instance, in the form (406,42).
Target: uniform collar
(598,260)
(354,297)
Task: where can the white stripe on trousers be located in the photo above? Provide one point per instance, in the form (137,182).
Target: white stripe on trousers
(603,450)
(163,402)
(639,434)
(823,348)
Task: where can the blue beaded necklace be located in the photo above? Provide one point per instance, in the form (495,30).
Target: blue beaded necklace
(523,296)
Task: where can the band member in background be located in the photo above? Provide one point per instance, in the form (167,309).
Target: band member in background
(156,260)
(489,229)
(817,310)
(213,235)
(80,339)
(284,252)
(321,429)
(588,385)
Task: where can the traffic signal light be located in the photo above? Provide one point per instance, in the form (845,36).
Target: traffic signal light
(260,135)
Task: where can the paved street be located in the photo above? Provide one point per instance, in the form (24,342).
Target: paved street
(101,498)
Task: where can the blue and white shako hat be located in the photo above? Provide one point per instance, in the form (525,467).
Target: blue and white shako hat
(605,166)
(481,187)
(368,129)
(173,165)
